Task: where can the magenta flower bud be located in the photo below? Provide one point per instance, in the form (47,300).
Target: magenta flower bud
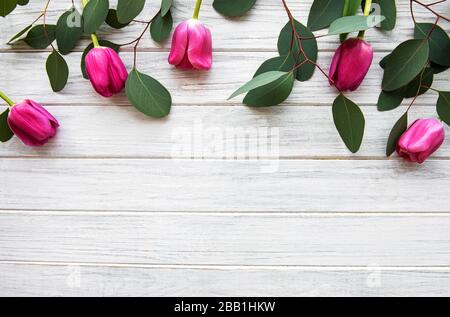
(350,64)
(421,140)
(191,46)
(31,123)
(106,71)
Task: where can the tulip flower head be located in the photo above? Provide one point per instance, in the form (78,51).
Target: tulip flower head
(31,123)
(106,71)
(191,46)
(421,140)
(350,64)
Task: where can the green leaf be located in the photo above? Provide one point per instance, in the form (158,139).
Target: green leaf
(165,6)
(233,8)
(68,30)
(161,27)
(148,95)
(443,106)
(323,13)
(91,46)
(350,9)
(384,60)
(19,35)
(425,78)
(127,10)
(404,64)
(354,23)
(389,10)
(39,37)
(112,21)
(94,14)
(57,71)
(260,80)
(437,69)
(271,94)
(7,6)
(388,101)
(399,128)
(22,2)
(5,132)
(349,121)
(309,44)
(438,41)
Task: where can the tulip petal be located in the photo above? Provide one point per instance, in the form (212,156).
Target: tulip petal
(179,44)
(97,68)
(334,65)
(200,45)
(117,72)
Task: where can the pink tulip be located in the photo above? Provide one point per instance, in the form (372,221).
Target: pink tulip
(106,71)
(191,46)
(350,64)
(421,140)
(31,123)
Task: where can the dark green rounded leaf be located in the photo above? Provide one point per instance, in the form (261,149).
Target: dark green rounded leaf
(259,81)
(39,37)
(94,14)
(127,10)
(165,6)
(388,9)
(5,132)
(443,106)
(388,101)
(309,45)
(22,2)
(349,121)
(91,46)
(423,80)
(233,8)
(323,13)
(404,64)
(399,128)
(7,6)
(19,36)
(68,30)
(438,41)
(148,95)
(57,71)
(161,27)
(112,20)
(437,69)
(271,94)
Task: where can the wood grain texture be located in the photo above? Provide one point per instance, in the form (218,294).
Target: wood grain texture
(211,132)
(218,185)
(72,280)
(256,31)
(226,239)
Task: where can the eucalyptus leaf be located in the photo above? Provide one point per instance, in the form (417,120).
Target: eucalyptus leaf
(91,46)
(397,131)
(94,14)
(309,44)
(68,30)
(112,21)
(323,13)
(233,8)
(127,10)
(349,121)
(5,132)
(354,24)
(443,106)
(438,41)
(387,9)
(405,63)
(389,101)
(161,27)
(7,6)
(57,71)
(148,95)
(165,6)
(260,80)
(19,36)
(350,8)
(40,37)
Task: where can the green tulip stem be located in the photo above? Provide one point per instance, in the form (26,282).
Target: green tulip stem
(93,36)
(198,4)
(6,99)
(367,9)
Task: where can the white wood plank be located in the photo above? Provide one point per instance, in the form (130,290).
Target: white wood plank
(226,239)
(211,132)
(72,280)
(256,31)
(27,78)
(244,185)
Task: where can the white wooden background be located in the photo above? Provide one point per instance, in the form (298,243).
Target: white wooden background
(105,209)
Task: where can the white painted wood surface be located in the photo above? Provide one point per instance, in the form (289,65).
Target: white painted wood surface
(116,206)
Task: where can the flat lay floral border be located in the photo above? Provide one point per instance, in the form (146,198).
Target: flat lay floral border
(408,70)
